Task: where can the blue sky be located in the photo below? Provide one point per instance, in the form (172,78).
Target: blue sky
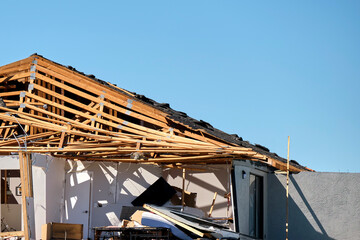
(261,69)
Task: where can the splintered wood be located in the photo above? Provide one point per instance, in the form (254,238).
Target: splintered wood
(51,109)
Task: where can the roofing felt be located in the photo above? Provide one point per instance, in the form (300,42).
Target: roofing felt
(186,120)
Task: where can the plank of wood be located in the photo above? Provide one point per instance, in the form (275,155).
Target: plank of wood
(99,114)
(15,77)
(24,192)
(16,64)
(8,126)
(28,138)
(128,127)
(66,231)
(117,99)
(187,227)
(12,71)
(38,124)
(12,93)
(203,145)
(183,189)
(73,122)
(24,114)
(106,104)
(150,133)
(212,204)
(11,234)
(87,83)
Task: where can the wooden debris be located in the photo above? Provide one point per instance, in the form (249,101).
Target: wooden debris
(212,204)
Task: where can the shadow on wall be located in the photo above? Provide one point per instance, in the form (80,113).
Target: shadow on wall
(205,184)
(133,179)
(299,225)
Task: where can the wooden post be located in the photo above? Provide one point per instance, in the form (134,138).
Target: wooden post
(287,190)
(183,191)
(212,204)
(26,188)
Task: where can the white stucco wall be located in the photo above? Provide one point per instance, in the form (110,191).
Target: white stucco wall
(9,162)
(113,186)
(48,186)
(39,189)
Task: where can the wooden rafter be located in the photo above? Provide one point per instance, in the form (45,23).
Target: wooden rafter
(54,110)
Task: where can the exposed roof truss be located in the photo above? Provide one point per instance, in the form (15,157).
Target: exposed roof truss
(51,109)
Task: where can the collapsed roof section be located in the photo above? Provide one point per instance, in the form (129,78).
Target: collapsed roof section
(48,108)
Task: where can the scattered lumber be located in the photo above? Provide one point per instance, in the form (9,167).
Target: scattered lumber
(195,225)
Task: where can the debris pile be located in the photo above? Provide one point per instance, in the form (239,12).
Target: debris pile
(150,219)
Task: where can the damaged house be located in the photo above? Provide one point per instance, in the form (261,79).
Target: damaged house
(78,151)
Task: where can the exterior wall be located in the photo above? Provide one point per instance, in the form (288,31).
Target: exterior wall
(321,206)
(55,179)
(113,185)
(11,212)
(48,188)
(241,179)
(9,162)
(214,178)
(39,190)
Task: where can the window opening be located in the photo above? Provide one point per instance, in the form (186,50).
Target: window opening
(256,216)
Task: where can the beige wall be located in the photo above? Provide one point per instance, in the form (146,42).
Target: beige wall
(213,178)
(12,215)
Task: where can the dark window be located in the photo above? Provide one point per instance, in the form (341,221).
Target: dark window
(256,209)
(10,185)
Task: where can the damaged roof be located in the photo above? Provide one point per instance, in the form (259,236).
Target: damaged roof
(180,120)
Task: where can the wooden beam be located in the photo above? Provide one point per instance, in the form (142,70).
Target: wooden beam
(17,64)
(88,83)
(287,190)
(12,93)
(32,137)
(25,191)
(123,110)
(183,189)
(53,82)
(12,234)
(212,204)
(127,126)
(187,227)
